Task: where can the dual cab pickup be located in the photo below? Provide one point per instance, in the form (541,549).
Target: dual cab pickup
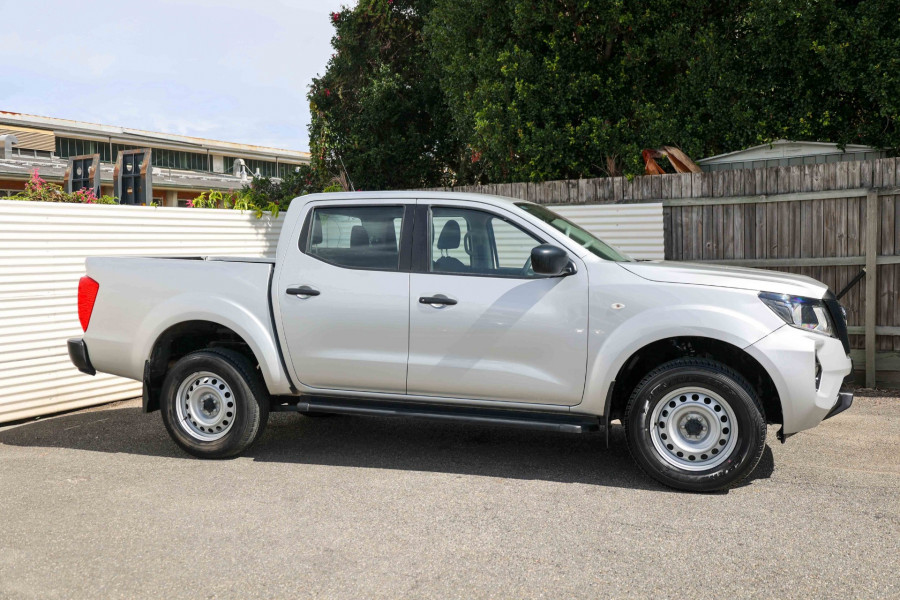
(470,307)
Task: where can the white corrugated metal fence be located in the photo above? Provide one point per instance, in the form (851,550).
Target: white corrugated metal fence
(636,229)
(42,251)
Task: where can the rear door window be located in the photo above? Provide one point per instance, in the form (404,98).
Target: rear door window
(357,237)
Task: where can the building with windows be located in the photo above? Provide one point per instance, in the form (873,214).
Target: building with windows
(136,166)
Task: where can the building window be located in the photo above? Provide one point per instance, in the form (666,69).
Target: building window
(266,168)
(109,153)
(81,174)
(30,153)
(285,170)
(132,185)
(116,148)
(66,147)
(176,159)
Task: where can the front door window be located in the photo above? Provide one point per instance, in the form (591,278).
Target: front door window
(474,242)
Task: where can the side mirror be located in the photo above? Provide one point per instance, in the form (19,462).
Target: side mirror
(551,261)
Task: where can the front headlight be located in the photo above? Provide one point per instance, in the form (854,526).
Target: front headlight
(804,313)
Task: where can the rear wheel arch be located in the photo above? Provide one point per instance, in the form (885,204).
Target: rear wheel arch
(659,352)
(182,339)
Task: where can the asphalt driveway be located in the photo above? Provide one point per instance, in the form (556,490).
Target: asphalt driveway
(100,504)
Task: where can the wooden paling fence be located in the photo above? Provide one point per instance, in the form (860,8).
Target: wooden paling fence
(828,221)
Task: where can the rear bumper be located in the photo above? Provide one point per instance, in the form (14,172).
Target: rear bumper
(78,354)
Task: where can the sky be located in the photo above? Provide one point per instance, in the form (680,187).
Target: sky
(219,69)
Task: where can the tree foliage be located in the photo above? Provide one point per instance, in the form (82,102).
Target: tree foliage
(531,90)
(378,110)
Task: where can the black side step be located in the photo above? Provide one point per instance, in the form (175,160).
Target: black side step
(566,422)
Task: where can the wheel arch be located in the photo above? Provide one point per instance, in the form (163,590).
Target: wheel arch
(181,339)
(658,352)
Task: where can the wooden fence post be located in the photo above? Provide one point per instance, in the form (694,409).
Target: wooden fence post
(872,238)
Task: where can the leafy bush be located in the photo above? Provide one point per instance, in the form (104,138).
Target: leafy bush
(210,199)
(266,195)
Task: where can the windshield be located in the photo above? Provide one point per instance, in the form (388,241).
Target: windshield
(574,232)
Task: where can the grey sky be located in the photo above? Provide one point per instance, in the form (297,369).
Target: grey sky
(234,71)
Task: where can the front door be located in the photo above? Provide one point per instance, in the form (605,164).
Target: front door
(483,325)
(344,300)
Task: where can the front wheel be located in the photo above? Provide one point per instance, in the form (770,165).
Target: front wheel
(214,404)
(695,424)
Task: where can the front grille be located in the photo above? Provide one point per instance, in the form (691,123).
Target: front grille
(837,317)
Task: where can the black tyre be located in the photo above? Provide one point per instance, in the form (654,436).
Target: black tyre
(213,403)
(695,424)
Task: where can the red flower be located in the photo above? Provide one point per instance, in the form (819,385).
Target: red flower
(335,17)
(327,93)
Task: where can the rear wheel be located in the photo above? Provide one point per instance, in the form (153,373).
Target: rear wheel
(214,405)
(695,424)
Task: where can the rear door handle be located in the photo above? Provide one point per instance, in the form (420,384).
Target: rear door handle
(303,290)
(439,299)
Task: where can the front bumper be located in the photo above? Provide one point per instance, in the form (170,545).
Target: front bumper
(844,401)
(790,356)
(78,354)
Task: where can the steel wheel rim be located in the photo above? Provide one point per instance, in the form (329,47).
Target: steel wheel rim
(205,406)
(693,429)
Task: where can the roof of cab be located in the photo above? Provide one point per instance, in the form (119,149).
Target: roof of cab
(408,195)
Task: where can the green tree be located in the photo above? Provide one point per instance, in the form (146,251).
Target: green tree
(545,89)
(378,110)
(421,92)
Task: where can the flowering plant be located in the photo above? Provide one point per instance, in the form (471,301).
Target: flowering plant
(37,189)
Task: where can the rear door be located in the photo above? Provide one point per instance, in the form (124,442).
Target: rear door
(345,297)
(482,324)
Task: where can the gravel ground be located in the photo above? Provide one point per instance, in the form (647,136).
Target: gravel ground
(100,504)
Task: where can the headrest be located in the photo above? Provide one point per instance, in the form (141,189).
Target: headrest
(449,239)
(359,236)
(317,232)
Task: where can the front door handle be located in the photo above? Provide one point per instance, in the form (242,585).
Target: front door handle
(303,290)
(439,300)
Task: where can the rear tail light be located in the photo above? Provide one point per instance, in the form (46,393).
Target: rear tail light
(87,294)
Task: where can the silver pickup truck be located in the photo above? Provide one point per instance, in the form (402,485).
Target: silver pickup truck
(474,308)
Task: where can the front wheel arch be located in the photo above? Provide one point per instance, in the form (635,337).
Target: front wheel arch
(652,355)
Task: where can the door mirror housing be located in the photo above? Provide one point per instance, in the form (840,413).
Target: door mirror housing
(551,261)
